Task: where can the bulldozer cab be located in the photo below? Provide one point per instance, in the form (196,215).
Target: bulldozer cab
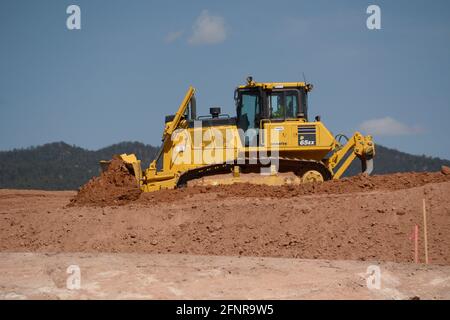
(259,103)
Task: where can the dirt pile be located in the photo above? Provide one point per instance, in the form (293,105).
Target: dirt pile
(115,186)
(359,183)
(376,225)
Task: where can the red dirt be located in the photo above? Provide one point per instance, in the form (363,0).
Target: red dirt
(359,218)
(360,183)
(115,186)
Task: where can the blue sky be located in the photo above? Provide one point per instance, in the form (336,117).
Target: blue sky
(132,61)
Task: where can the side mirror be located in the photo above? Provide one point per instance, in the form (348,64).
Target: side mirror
(317,118)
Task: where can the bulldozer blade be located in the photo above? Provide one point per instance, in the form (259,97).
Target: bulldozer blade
(131,162)
(134,165)
(367,166)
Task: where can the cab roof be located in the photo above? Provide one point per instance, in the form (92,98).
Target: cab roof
(275,85)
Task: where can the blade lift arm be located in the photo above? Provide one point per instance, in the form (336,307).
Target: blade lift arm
(151,174)
(172,126)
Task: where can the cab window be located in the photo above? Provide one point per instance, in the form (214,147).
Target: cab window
(283,104)
(276,105)
(291,104)
(248,110)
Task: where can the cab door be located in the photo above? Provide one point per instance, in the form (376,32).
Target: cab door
(249,115)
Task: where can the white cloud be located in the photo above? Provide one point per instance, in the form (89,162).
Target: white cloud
(388,126)
(173,36)
(208,29)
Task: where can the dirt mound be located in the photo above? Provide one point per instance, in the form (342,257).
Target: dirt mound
(359,183)
(376,225)
(115,186)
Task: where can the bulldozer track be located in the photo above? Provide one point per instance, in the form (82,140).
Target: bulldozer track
(294,165)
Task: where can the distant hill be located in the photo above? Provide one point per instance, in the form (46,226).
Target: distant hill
(59,166)
(390,161)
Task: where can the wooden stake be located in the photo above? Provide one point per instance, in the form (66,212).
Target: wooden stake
(425,233)
(416,243)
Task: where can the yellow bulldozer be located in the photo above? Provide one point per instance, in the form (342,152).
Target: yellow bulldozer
(270,140)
